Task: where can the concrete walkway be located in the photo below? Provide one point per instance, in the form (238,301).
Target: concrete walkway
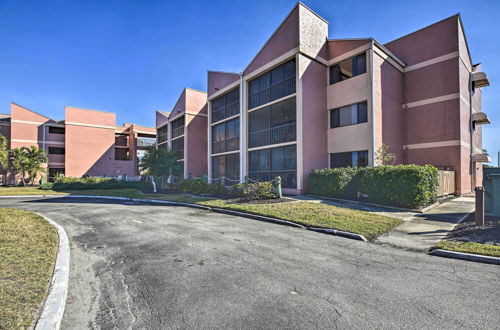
(422,231)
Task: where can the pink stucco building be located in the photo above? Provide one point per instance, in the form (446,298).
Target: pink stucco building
(86,142)
(184,130)
(306,101)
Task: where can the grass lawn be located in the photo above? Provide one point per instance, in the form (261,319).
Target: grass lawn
(13,191)
(28,247)
(470,247)
(307,213)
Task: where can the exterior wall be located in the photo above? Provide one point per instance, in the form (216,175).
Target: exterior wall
(355,137)
(217,81)
(161,118)
(389,99)
(314,118)
(284,39)
(91,135)
(196,152)
(338,48)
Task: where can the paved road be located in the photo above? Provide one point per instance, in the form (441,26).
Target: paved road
(159,267)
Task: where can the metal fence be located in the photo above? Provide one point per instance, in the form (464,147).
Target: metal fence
(446,183)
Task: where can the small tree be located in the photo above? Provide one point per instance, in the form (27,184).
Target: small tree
(160,164)
(383,156)
(4,152)
(27,161)
(36,157)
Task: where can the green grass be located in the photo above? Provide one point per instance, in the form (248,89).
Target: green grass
(470,247)
(28,247)
(13,191)
(306,213)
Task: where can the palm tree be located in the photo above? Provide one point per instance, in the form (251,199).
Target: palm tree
(28,162)
(159,163)
(4,152)
(36,157)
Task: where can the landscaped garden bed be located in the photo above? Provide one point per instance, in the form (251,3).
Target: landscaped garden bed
(469,238)
(28,247)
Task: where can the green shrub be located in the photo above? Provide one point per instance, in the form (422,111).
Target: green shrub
(90,182)
(46,186)
(259,191)
(401,185)
(237,190)
(194,186)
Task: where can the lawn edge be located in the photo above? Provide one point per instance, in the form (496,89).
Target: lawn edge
(466,256)
(53,307)
(329,231)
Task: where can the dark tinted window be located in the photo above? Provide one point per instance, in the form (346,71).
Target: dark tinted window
(353,159)
(225,136)
(227,166)
(226,106)
(56,151)
(348,69)
(56,130)
(349,115)
(266,164)
(272,85)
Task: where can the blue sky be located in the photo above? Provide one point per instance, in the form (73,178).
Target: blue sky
(134,57)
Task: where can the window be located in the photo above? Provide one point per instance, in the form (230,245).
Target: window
(178,127)
(178,147)
(272,124)
(163,133)
(226,106)
(266,164)
(121,154)
(56,151)
(272,85)
(121,140)
(349,115)
(345,159)
(145,142)
(56,130)
(348,69)
(226,165)
(226,136)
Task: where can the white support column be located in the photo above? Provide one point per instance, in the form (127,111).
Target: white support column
(299,68)
(209,141)
(243,130)
(186,146)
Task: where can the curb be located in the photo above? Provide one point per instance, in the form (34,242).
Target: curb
(53,307)
(466,256)
(339,233)
(31,196)
(223,211)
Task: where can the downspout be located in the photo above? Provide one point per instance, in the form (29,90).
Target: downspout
(471,131)
(242,139)
(372,65)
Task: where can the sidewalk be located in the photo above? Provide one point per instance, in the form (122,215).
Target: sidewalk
(422,231)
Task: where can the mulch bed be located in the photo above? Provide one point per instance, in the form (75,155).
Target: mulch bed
(467,231)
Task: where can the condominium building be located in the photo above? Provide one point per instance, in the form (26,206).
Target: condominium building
(306,101)
(86,142)
(184,131)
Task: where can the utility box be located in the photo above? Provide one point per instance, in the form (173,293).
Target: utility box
(491,184)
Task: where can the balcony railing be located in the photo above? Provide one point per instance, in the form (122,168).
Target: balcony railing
(225,145)
(273,92)
(279,134)
(178,131)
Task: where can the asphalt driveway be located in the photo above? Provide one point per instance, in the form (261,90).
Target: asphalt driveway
(139,266)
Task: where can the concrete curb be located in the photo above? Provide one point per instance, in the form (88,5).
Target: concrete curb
(339,233)
(53,307)
(223,211)
(465,256)
(32,196)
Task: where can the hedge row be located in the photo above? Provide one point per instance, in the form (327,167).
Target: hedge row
(90,183)
(409,186)
(250,191)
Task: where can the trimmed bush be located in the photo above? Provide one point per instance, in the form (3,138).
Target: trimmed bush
(409,186)
(90,183)
(259,191)
(194,186)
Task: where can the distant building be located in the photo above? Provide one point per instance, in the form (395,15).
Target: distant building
(184,130)
(86,142)
(306,102)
